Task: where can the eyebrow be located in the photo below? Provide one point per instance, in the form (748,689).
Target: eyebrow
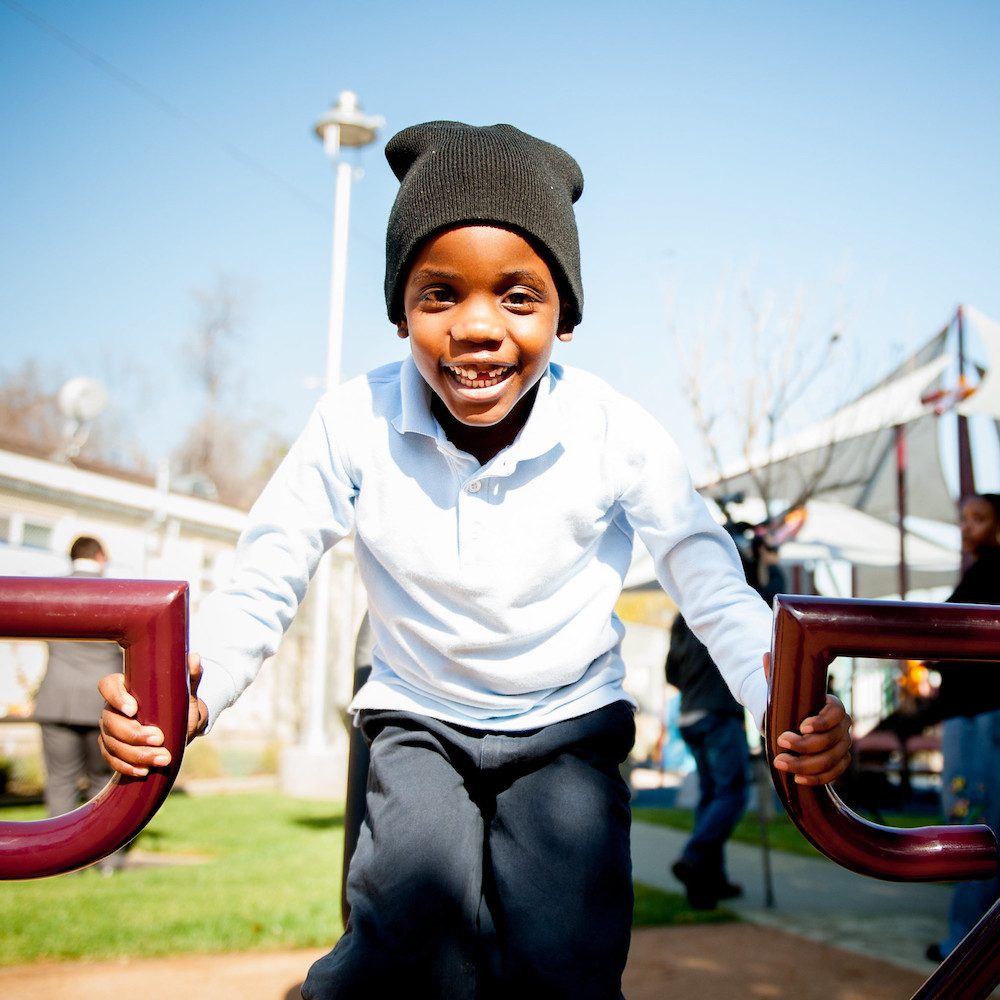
(516,276)
(433,274)
(524,274)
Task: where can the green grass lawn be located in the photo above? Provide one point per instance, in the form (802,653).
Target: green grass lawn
(268,877)
(655,908)
(271,880)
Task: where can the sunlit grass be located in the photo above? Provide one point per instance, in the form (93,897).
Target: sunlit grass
(266,875)
(656,908)
(269,877)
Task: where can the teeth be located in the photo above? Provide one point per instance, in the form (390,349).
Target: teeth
(474,378)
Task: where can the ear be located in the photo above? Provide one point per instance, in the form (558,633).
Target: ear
(402,331)
(565,330)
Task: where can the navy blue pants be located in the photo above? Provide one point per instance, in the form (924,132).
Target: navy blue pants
(489,865)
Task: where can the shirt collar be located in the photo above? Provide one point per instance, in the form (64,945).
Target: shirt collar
(90,567)
(415,403)
(541,432)
(543,429)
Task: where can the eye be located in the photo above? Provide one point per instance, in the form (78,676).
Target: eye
(521,299)
(437,296)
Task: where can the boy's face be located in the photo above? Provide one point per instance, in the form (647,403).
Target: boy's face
(482,311)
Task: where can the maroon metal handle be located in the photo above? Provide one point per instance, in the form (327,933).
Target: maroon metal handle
(149,619)
(809,633)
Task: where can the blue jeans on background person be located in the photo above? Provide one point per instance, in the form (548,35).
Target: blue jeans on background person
(970,793)
(718,743)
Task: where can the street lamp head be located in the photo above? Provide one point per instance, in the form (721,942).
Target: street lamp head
(345,124)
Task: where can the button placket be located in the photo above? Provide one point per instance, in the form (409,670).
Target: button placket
(472,510)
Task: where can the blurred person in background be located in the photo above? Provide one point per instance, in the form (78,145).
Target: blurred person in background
(68,706)
(711,724)
(767,578)
(969,703)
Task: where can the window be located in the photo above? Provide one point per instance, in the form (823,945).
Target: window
(36,536)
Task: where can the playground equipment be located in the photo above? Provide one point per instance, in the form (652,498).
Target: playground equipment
(150,621)
(809,633)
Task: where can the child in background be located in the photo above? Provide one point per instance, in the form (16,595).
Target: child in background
(969,703)
(494,496)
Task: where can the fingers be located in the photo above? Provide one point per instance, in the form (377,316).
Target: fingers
(817,768)
(129,747)
(197,709)
(194,672)
(831,716)
(114,692)
(822,751)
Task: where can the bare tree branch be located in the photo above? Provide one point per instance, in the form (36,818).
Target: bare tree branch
(771,371)
(224,453)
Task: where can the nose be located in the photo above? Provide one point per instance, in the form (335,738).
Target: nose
(478,321)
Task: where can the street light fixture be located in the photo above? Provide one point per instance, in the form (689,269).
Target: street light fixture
(344,125)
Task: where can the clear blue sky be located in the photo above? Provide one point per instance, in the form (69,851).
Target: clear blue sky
(150,148)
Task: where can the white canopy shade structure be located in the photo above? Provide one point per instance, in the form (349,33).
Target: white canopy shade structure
(840,538)
(836,534)
(847,469)
(985,401)
(879,456)
(850,456)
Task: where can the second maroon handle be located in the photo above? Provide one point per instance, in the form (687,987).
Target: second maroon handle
(809,633)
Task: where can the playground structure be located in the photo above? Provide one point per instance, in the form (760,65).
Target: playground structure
(149,620)
(809,633)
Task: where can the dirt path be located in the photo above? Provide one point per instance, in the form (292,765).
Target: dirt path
(717,962)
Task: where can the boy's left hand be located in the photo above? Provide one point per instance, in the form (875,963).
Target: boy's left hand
(821,751)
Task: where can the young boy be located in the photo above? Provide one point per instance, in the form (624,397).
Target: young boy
(494,498)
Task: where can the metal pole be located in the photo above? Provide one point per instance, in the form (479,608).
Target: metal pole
(762,776)
(966,475)
(338,275)
(904,577)
(316,735)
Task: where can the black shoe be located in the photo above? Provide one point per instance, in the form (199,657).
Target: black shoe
(728,890)
(701,894)
(934,953)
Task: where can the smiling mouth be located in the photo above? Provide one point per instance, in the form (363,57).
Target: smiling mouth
(478,378)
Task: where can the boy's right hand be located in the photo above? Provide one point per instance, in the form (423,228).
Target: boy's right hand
(130,748)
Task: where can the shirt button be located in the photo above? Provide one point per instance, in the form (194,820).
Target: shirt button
(475,486)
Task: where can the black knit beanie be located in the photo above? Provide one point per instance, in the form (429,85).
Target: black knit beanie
(454,174)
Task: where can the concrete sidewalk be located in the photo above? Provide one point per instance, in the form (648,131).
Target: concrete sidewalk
(814,898)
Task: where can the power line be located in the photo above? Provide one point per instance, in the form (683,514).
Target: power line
(153,98)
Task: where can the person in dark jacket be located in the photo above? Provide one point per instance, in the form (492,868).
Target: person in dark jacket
(968,701)
(711,724)
(68,706)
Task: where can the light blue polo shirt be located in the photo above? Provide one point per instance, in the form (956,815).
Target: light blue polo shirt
(491,587)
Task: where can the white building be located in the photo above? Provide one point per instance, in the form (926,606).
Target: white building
(151,532)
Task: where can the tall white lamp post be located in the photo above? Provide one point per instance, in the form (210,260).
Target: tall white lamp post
(344,125)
